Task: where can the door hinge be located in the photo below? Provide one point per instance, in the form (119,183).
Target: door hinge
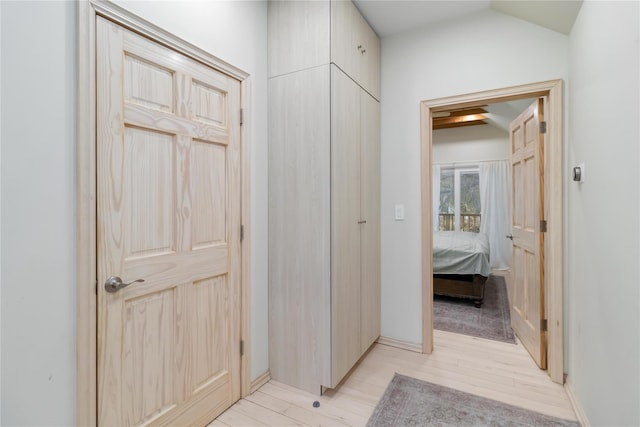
(241,233)
(241,347)
(543,127)
(241,116)
(543,225)
(543,325)
(96,287)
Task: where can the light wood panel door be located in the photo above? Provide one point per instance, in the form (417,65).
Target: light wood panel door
(299,228)
(527,168)
(345,227)
(168,176)
(370,212)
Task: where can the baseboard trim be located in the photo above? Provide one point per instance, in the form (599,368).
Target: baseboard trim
(259,382)
(577,406)
(404,345)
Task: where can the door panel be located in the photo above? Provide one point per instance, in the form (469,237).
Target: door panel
(169,213)
(300,228)
(209,194)
(345,230)
(148,175)
(355,47)
(346,38)
(208,334)
(527,303)
(370,60)
(149,355)
(370,212)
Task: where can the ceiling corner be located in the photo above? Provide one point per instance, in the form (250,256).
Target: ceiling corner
(557,15)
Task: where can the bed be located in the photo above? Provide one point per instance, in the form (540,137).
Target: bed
(460,264)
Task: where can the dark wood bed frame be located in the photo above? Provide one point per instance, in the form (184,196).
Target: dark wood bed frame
(461,286)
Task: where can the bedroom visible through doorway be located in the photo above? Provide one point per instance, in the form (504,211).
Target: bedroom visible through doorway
(431,113)
(471,193)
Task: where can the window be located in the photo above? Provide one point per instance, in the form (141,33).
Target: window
(459,200)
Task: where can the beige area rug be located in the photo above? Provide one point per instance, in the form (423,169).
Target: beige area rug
(412,402)
(491,321)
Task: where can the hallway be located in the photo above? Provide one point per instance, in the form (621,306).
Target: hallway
(496,370)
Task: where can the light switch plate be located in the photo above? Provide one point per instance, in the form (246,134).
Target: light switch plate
(399,212)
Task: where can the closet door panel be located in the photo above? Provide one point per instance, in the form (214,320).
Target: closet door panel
(298,35)
(345,37)
(370,211)
(370,62)
(355,47)
(299,229)
(345,230)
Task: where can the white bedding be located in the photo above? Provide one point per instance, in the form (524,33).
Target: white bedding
(461,253)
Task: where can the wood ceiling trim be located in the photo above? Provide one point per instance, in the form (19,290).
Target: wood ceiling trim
(467,112)
(437,126)
(460,117)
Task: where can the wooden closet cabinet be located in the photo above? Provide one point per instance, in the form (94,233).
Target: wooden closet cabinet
(306,34)
(324,201)
(355,47)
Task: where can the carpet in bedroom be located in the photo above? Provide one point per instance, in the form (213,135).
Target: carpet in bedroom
(491,321)
(411,402)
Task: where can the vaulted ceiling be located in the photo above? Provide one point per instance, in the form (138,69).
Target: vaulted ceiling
(389,17)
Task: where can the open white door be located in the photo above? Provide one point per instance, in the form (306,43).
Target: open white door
(527,169)
(168,212)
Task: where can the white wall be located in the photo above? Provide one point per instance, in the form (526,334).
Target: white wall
(38,189)
(235,31)
(603,252)
(481,52)
(470,144)
(38,209)
(0,217)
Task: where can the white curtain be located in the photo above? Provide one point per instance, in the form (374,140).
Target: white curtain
(495,208)
(435,183)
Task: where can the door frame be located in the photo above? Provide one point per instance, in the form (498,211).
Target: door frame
(553,186)
(86,193)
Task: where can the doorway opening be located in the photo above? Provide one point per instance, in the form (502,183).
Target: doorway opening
(552,194)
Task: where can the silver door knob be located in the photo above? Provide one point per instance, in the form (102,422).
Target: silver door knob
(114,284)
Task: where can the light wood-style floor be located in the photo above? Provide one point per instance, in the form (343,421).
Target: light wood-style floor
(492,369)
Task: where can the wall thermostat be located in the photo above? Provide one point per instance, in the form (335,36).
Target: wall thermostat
(578,173)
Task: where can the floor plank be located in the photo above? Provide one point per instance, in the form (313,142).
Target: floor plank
(264,414)
(499,371)
(348,413)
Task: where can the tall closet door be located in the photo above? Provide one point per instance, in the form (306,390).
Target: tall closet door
(345,227)
(299,228)
(370,212)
